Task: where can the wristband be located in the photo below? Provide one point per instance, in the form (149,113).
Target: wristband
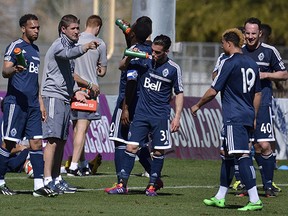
(89,86)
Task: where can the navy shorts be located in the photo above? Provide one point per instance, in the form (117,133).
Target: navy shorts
(119,132)
(20,122)
(264,128)
(144,125)
(237,138)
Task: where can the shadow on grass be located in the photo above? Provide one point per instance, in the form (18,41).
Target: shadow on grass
(233,206)
(30,192)
(137,192)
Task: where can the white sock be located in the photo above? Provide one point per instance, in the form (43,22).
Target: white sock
(73,166)
(47,180)
(2,182)
(38,183)
(60,178)
(221,192)
(253,195)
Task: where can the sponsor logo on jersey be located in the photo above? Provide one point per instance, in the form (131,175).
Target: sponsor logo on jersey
(261,56)
(132,74)
(153,86)
(165,72)
(33,68)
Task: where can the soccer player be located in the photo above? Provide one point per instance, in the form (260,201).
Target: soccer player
(122,116)
(237,185)
(21,108)
(58,87)
(272,68)
(158,76)
(239,82)
(87,70)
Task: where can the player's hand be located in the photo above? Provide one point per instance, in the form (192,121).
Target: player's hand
(43,113)
(125,117)
(95,89)
(90,45)
(81,96)
(175,124)
(194,109)
(19,68)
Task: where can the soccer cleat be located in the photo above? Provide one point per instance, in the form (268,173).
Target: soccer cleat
(108,189)
(53,187)
(63,188)
(68,163)
(44,191)
(76,172)
(151,191)
(145,174)
(215,202)
(158,184)
(67,185)
(276,188)
(241,192)
(85,171)
(269,193)
(236,184)
(6,191)
(118,189)
(252,206)
(95,163)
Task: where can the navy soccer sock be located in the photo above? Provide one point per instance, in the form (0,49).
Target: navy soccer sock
(36,158)
(236,172)
(145,158)
(119,157)
(127,166)
(4,157)
(268,169)
(247,172)
(15,164)
(156,168)
(259,160)
(227,171)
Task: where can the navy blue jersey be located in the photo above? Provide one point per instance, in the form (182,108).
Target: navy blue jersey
(123,78)
(238,80)
(157,83)
(269,60)
(218,62)
(23,85)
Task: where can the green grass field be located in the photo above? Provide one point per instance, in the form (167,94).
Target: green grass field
(186,184)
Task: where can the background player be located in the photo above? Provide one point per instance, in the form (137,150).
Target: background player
(137,38)
(21,109)
(239,82)
(158,76)
(87,70)
(271,68)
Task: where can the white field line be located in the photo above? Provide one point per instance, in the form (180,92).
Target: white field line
(132,188)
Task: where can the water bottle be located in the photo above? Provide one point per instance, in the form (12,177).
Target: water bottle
(136,54)
(125,28)
(20,57)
